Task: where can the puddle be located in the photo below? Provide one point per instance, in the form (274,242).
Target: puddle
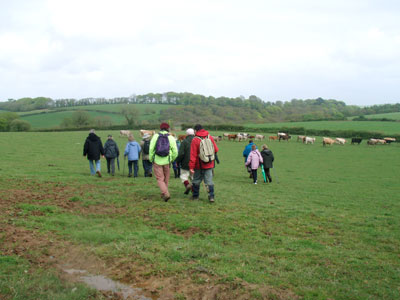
(102,283)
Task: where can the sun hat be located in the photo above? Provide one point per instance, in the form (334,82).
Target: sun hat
(190,131)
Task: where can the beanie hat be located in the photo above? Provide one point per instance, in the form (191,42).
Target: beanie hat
(164,126)
(190,131)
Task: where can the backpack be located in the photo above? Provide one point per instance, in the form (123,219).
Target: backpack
(207,152)
(162,145)
(146,147)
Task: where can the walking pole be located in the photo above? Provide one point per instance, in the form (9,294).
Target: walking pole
(263,174)
(123,168)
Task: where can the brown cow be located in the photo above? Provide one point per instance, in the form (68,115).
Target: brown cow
(232,137)
(327,141)
(272,138)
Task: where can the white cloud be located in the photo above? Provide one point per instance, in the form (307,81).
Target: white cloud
(276,50)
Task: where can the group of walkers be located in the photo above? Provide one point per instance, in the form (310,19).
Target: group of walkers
(253,160)
(195,158)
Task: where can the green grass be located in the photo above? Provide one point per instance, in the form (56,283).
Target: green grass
(384,127)
(53,119)
(327,227)
(391,116)
(19,280)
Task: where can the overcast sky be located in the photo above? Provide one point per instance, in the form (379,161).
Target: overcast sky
(347,50)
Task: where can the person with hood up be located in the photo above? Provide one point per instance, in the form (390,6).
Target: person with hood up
(254,160)
(147,165)
(93,148)
(201,170)
(183,160)
(163,152)
(111,152)
(268,158)
(246,153)
(132,151)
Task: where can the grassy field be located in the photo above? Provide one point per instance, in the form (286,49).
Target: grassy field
(327,227)
(391,116)
(54,119)
(384,127)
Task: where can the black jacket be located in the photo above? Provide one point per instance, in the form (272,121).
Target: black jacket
(93,147)
(184,152)
(268,158)
(111,149)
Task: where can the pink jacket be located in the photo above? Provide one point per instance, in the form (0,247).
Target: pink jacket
(255,159)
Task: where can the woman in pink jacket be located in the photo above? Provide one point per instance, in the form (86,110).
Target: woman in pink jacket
(254,160)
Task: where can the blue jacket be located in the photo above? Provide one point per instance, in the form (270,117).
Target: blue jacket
(247,151)
(132,150)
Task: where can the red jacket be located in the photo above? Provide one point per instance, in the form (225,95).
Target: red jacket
(194,162)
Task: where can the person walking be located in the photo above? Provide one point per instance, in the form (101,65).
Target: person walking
(147,165)
(246,152)
(132,151)
(183,160)
(254,160)
(268,159)
(163,152)
(202,161)
(111,152)
(93,148)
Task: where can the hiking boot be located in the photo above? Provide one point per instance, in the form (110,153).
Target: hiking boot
(188,189)
(211,199)
(194,198)
(98,173)
(166,198)
(129,175)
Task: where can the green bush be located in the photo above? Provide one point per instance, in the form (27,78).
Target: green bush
(20,125)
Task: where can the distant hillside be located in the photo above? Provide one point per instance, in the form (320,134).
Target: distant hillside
(395,116)
(188,107)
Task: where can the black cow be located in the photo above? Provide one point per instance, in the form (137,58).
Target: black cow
(356,140)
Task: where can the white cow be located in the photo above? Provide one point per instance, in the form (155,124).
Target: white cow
(123,133)
(143,132)
(309,140)
(259,137)
(340,141)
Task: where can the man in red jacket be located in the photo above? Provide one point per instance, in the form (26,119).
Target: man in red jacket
(201,170)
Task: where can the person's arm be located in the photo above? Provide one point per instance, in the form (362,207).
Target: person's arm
(193,154)
(174,149)
(152,148)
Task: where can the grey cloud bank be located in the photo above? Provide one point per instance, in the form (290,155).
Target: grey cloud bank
(344,50)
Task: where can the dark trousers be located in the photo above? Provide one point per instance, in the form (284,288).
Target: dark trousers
(111,165)
(135,167)
(147,166)
(268,174)
(254,173)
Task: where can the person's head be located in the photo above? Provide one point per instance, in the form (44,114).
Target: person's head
(253,147)
(190,131)
(91,131)
(250,141)
(110,137)
(164,126)
(131,138)
(197,127)
(264,147)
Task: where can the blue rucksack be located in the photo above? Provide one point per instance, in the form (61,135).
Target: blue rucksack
(162,145)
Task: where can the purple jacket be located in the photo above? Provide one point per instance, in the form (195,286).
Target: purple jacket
(255,159)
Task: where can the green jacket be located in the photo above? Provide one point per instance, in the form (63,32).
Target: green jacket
(173,150)
(184,152)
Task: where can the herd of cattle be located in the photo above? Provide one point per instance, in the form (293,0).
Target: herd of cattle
(280,136)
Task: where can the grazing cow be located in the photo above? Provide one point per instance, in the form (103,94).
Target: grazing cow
(225,135)
(232,137)
(240,137)
(356,140)
(340,141)
(123,133)
(217,138)
(301,138)
(372,142)
(327,141)
(285,137)
(143,132)
(272,138)
(380,141)
(259,137)
(309,140)
(252,137)
(389,140)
